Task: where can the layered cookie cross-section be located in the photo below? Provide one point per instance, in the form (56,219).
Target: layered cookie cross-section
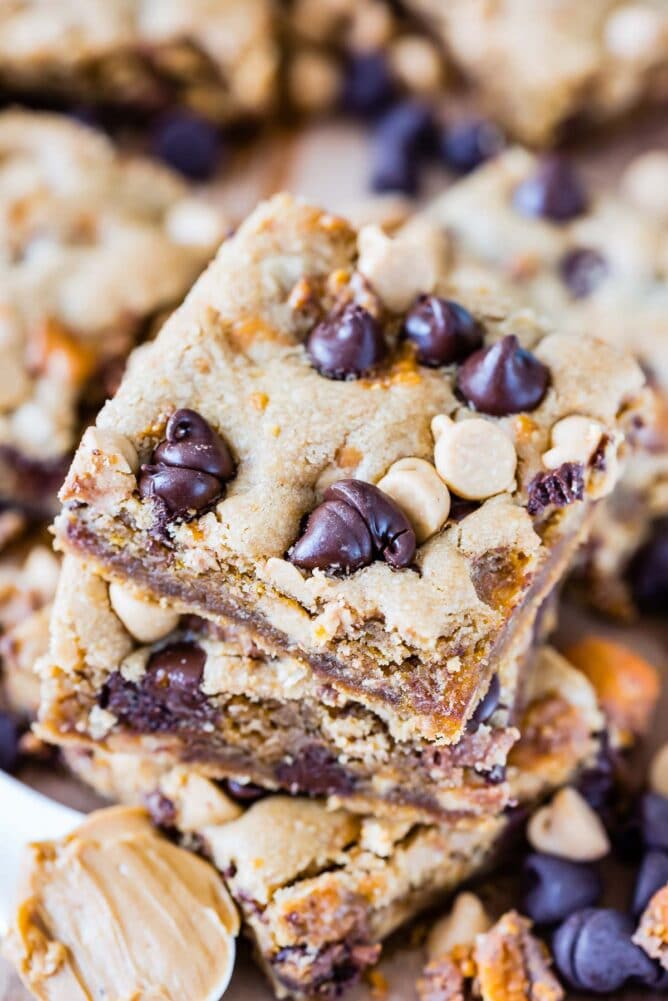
(93,246)
(593,263)
(334,458)
(320,889)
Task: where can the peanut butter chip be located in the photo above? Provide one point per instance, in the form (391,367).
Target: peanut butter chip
(574,439)
(474,457)
(146,620)
(569,828)
(421,494)
(460,927)
(113,907)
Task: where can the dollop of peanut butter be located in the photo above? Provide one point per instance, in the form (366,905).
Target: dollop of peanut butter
(116,911)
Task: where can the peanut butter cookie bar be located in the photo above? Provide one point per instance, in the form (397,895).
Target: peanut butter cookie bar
(594,263)
(93,246)
(352,458)
(543,68)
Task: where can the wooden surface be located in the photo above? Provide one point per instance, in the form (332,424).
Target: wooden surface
(329,164)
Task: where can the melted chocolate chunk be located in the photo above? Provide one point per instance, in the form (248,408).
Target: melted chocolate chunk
(503,379)
(315,772)
(487,706)
(347,344)
(553,192)
(557,488)
(168,695)
(189,468)
(468,143)
(355,524)
(243,792)
(442,330)
(161,809)
(582,271)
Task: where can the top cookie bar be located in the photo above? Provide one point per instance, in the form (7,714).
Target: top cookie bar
(92,246)
(334,446)
(219,59)
(540,68)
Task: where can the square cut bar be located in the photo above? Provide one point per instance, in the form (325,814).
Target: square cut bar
(253,718)
(92,247)
(541,69)
(235,382)
(320,889)
(595,263)
(219,59)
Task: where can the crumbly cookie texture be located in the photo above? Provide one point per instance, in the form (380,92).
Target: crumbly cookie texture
(92,247)
(291,373)
(319,888)
(244,715)
(82,930)
(29,572)
(602,270)
(538,71)
(220,59)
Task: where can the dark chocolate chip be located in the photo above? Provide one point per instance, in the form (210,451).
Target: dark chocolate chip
(652,875)
(654,820)
(442,330)
(564,941)
(503,378)
(182,490)
(597,783)
(553,192)
(557,488)
(191,442)
(582,271)
(244,792)
(647,572)
(9,742)
(355,524)
(368,86)
(175,673)
(487,706)
(336,538)
(347,344)
(555,887)
(468,143)
(604,958)
(402,138)
(315,771)
(390,529)
(189,144)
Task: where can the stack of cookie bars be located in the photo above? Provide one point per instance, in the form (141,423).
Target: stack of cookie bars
(313,545)
(310,551)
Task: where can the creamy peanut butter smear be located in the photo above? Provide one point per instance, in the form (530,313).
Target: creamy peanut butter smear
(114,911)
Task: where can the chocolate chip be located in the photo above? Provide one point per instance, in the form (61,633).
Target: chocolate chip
(557,488)
(182,490)
(355,524)
(652,875)
(555,887)
(503,378)
(553,192)
(187,469)
(594,951)
(191,442)
(347,344)
(654,820)
(168,696)
(315,771)
(468,143)
(243,792)
(487,706)
(582,271)
(403,136)
(496,775)
(9,742)
(442,330)
(368,86)
(597,783)
(647,572)
(189,144)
